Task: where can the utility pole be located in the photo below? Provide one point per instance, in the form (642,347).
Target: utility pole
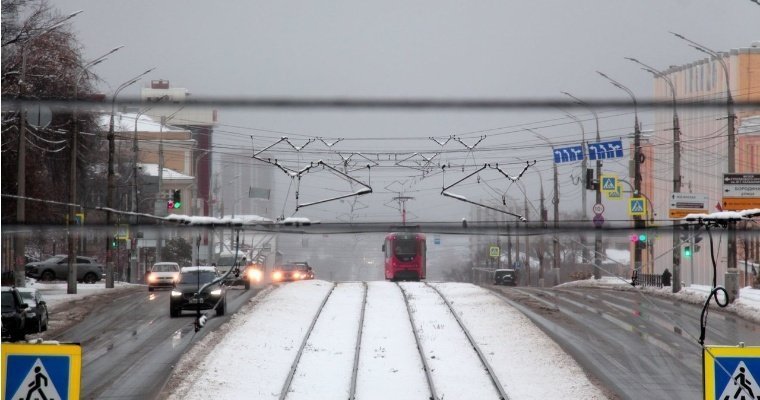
(541,245)
(584,166)
(527,240)
(161,208)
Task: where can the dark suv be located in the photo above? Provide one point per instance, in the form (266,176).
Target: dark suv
(185,294)
(14,315)
(505,277)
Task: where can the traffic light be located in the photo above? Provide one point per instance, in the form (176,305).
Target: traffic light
(170,205)
(687,252)
(114,243)
(177,198)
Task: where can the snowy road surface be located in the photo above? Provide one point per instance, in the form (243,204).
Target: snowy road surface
(252,357)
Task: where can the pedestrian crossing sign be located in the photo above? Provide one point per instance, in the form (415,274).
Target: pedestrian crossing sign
(616,194)
(637,206)
(731,372)
(41,371)
(609,183)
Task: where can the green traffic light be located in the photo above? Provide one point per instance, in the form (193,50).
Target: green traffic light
(643,237)
(687,251)
(177,204)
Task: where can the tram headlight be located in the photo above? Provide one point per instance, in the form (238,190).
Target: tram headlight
(277,275)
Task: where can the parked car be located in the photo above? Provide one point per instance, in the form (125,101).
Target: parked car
(162,274)
(37,312)
(185,297)
(505,277)
(57,268)
(13,315)
(292,271)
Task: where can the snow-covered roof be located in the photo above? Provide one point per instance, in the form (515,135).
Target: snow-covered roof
(169,174)
(126,122)
(226,220)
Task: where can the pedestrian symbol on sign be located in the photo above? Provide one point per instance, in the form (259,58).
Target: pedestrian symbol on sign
(742,385)
(36,385)
(609,183)
(636,206)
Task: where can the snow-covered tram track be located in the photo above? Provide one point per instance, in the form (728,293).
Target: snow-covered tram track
(358,346)
(441,336)
(425,366)
(491,374)
(297,358)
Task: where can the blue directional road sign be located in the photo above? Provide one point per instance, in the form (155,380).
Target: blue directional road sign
(41,371)
(731,372)
(605,150)
(568,154)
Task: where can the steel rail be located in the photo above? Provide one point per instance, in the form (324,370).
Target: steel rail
(297,359)
(489,369)
(425,366)
(357,348)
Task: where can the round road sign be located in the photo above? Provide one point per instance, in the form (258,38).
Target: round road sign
(598,220)
(598,208)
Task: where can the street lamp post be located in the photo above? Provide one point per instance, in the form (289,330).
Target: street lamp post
(72,277)
(111,177)
(597,234)
(676,161)
(555,202)
(638,222)
(731,242)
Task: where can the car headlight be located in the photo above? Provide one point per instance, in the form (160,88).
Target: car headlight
(176,293)
(151,278)
(175,278)
(254,275)
(216,292)
(296,275)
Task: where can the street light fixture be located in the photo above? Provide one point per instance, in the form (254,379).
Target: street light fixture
(731,242)
(555,202)
(676,157)
(597,235)
(639,223)
(72,277)
(111,178)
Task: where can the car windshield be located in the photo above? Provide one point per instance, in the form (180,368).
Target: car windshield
(7,301)
(197,277)
(54,259)
(164,268)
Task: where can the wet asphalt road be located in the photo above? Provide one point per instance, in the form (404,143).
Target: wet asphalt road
(130,344)
(638,348)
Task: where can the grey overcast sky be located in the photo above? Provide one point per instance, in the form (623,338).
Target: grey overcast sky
(443,49)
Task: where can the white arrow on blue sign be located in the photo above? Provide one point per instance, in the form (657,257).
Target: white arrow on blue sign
(568,154)
(604,150)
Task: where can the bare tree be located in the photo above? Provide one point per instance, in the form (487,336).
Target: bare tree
(41,59)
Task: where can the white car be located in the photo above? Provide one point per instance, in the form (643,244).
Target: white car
(162,274)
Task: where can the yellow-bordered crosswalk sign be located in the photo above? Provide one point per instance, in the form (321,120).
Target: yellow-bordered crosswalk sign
(51,371)
(637,206)
(731,372)
(609,183)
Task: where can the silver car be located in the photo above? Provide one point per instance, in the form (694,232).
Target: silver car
(57,268)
